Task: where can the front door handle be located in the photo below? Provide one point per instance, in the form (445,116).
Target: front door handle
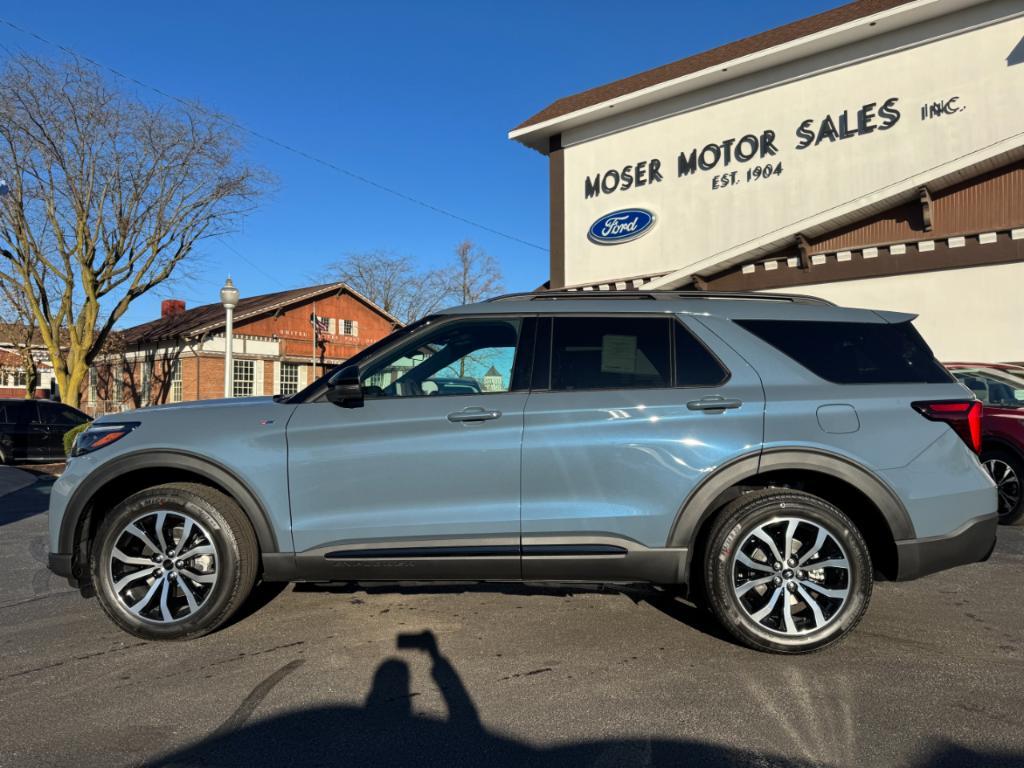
(473,414)
(714,403)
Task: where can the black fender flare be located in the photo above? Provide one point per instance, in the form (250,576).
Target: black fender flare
(166,459)
(699,504)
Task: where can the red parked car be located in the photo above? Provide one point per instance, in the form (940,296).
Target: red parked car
(1000,386)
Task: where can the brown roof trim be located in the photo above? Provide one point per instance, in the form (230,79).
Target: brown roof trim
(713,58)
(195,322)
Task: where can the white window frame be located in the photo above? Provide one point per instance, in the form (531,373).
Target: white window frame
(175,393)
(289,375)
(244,373)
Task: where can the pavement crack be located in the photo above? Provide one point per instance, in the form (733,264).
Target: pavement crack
(540,671)
(80,657)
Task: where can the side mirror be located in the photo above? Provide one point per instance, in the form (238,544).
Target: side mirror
(344,388)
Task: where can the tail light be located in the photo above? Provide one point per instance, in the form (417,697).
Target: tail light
(964,416)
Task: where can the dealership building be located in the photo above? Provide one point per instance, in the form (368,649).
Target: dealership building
(872,155)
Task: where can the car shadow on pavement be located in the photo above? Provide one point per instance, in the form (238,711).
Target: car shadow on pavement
(385,731)
(26,502)
(664,600)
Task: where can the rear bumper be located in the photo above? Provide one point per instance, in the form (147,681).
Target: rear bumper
(972,542)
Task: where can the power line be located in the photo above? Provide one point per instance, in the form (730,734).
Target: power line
(271,140)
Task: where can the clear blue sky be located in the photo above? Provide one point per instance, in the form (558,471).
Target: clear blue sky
(418,96)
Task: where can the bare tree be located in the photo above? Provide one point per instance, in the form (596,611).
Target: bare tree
(392,282)
(108,196)
(473,276)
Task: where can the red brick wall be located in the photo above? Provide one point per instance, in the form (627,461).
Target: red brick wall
(296,333)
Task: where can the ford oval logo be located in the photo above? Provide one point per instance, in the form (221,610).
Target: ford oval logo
(621,226)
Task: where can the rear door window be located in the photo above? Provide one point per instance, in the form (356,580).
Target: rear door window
(854,353)
(611,353)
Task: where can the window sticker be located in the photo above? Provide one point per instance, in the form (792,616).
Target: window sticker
(618,354)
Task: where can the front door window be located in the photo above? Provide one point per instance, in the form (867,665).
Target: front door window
(464,357)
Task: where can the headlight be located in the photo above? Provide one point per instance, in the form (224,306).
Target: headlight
(101,435)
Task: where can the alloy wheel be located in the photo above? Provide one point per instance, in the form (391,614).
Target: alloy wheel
(163,566)
(791,576)
(1007,483)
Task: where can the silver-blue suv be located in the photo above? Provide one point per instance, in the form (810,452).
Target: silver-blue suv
(770,455)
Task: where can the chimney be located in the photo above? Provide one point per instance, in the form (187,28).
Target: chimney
(171,307)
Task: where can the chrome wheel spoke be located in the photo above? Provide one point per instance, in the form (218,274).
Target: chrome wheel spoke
(836,563)
(837,594)
(120,556)
(787,613)
(769,606)
(204,549)
(790,533)
(185,533)
(810,602)
(744,588)
(164,611)
(142,536)
(126,580)
(761,535)
(818,542)
(199,578)
(752,564)
(138,607)
(190,598)
(161,518)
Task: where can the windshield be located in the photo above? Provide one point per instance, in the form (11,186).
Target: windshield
(993,387)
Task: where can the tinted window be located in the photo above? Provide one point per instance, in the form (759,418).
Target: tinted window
(610,353)
(459,358)
(854,353)
(993,388)
(59,415)
(695,365)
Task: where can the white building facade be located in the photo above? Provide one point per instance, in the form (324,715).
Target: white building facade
(872,155)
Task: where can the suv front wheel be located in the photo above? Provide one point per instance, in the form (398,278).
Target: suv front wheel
(174,562)
(786,571)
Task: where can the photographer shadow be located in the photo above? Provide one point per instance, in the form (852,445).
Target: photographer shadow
(385,731)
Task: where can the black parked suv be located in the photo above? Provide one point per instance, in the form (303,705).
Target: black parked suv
(33,430)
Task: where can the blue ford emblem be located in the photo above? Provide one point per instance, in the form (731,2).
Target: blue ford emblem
(620,226)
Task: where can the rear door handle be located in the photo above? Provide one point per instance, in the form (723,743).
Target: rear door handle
(714,403)
(473,414)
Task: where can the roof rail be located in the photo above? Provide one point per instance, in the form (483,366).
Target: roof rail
(658,295)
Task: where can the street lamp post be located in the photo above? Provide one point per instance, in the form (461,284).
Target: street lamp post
(229,300)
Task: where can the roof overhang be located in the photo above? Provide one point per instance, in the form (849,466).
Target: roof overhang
(538,135)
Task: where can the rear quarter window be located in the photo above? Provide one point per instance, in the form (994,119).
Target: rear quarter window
(854,353)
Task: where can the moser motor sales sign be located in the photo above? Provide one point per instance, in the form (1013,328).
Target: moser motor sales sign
(621,226)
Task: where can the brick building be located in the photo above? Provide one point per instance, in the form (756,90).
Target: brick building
(13,373)
(180,356)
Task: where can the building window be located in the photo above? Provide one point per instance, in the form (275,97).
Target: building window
(118,375)
(289,379)
(147,381)
(92,384)
(20,378)
(176,381)
(244,378)
(349,327)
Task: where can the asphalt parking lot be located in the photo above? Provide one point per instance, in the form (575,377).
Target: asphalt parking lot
(516,675)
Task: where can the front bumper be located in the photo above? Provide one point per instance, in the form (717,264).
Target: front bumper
(972,542)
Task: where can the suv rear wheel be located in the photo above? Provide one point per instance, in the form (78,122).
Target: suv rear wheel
(174,562)
(786,571)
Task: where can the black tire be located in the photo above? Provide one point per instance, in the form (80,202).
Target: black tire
(229,532)
(1009,514)
(805,629)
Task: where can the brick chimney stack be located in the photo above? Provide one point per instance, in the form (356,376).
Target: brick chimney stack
(171,307)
